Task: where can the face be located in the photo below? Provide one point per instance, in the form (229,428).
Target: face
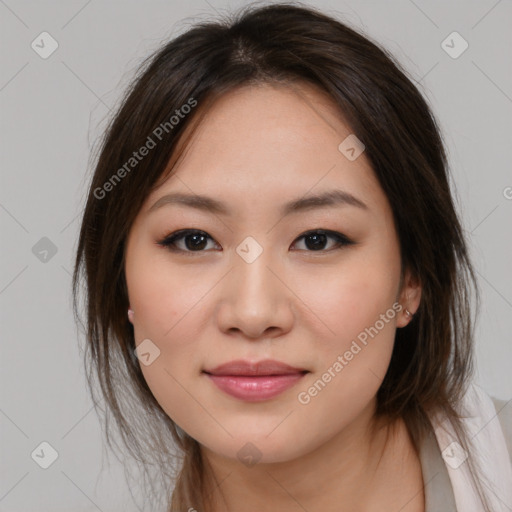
(315,287)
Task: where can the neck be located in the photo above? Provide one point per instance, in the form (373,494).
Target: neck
(364,467)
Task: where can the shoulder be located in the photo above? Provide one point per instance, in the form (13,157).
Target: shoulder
(504,414)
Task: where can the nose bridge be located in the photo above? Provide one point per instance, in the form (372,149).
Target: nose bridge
(254,299)
(255,284)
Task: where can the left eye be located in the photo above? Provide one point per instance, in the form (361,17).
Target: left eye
(195,240)
(315,240)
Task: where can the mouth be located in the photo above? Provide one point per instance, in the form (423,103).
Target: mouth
(257,381)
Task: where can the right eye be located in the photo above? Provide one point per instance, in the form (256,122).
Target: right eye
(195,241)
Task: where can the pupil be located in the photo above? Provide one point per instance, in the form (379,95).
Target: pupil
(319,237)
(199,245)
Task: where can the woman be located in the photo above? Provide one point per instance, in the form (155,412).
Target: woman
(277,281)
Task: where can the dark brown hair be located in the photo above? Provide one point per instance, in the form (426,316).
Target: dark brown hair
(278,44)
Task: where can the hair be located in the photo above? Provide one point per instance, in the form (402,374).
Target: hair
(279,44)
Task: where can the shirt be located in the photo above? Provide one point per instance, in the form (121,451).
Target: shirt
(438,490)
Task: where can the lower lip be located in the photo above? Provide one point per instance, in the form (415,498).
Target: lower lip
(255,388)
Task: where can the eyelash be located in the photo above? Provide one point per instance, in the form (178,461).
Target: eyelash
(170,240)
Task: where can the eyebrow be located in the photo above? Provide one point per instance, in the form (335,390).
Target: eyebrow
(330,198)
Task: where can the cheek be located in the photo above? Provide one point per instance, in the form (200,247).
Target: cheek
(353,298)
(165,303)
(352,362)
(169,310)
(161,297)
(356,303)
(172,391)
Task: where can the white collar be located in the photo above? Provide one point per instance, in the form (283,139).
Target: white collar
(488,448)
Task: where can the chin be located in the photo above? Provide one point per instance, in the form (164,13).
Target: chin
(251,449)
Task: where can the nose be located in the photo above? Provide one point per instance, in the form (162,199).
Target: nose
(255,300)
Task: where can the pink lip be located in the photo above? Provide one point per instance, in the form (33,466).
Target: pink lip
(254,382)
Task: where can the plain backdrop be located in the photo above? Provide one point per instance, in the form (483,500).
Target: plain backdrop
(52,111)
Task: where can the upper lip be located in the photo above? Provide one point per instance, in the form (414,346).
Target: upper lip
(266,367)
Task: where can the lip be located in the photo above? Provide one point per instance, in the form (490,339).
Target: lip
(255,381)
(246,368)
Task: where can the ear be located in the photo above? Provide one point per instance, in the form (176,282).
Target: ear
(409,297)
(130,315)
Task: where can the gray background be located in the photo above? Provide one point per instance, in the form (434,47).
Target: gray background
(52,113)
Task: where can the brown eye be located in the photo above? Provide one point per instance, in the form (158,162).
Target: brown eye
(315,241)
(194,241)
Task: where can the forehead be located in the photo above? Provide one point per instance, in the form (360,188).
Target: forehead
(267,143)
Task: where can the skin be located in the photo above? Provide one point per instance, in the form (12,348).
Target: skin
(259,147)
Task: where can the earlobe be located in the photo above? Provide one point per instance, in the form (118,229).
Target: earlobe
(130,315)
(406,317)
(410,298)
